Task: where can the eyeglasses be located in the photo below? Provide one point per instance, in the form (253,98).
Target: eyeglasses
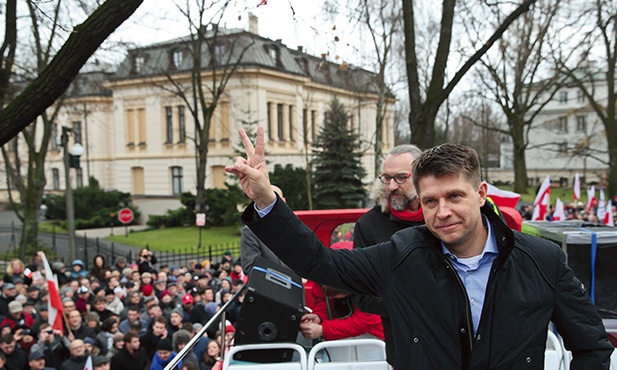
(399,179)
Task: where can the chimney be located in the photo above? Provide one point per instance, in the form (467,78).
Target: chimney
(253,24)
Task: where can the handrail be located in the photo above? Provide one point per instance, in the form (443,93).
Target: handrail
(189,346)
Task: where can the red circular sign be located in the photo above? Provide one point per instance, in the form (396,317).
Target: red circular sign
(125,216)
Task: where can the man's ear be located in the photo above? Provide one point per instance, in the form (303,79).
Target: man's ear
(482,192)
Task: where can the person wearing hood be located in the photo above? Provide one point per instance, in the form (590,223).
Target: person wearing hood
(78,269)
(163,356)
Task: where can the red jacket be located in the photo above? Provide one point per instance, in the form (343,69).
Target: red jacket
(336,327)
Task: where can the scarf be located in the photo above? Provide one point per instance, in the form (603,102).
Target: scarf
(407,215)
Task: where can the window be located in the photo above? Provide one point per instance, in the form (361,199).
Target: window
(291,123)
(77,132)
(138,180)
(562,124)
(580,96)
(55,174)
(270,123)
(581,123)
(219,54)
(138,67)
(142,129)
(54,136)
(305,127)
(563,97)
(177,58)
(181,125)
(313,125)
(79,177)
(169,125)
(562,148)
(279,121)
(273,52)
(176,180)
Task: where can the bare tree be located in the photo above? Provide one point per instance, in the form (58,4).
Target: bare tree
(519,78)
(424,109)
(215,56)
(26,175)
(594,72)
(65,65)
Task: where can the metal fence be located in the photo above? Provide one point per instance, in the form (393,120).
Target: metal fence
(57,245)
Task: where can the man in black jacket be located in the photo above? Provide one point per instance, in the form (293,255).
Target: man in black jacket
(132,356)
(465,291)
(77,359)
(396,207)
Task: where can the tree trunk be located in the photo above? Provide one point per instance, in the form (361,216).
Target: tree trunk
(57,76)
(520,165)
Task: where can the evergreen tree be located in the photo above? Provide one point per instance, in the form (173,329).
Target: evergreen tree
(338,168)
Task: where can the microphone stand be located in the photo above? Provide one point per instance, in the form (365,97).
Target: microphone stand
(189,346)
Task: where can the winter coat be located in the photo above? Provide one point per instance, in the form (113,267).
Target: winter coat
(123,360)
(530,285)
(377,226)
(158,364)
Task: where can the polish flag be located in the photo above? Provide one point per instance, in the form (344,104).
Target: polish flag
(544,189)
(591,198)
(601,211)
(539,211)
(576,193)
(608,217)
(503,198)
(88,365)
(54,303)
(560,213)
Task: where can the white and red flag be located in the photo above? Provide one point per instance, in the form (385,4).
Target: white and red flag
(591,198)
(88,365)
(576,189)
(560,212)
(608,217)
(544,190)
(539,211)
(503,198)
(54,302)
(601,211)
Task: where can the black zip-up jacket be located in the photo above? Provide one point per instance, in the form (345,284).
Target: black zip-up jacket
(529,286)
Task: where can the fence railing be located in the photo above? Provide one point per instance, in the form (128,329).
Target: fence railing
(86,248)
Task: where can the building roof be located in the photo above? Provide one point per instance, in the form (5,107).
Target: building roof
(174,57)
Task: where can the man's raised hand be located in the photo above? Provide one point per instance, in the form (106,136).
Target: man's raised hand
(252,170)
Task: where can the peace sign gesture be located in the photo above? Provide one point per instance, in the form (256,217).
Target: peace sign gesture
(253,172)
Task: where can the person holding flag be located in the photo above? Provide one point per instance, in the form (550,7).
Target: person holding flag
(54,302)
(576,189)
(542,201)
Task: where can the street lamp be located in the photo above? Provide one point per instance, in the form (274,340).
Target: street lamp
(71,160)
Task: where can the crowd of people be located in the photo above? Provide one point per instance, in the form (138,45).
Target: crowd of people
(124,315)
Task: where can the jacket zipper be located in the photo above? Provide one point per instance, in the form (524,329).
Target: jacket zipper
(468,319)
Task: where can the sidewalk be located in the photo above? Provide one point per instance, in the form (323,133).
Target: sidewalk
(104,232)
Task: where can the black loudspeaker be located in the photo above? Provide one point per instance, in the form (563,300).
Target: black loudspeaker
(271,311)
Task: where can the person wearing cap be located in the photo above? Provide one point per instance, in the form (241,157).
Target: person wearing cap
(16,358)
(101,362)
(163,356)
(120,264)
(8,294)
(179,340)
(176,320)
(237,273)
(17,318)
(195,313)
(132,356)
(36,361)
